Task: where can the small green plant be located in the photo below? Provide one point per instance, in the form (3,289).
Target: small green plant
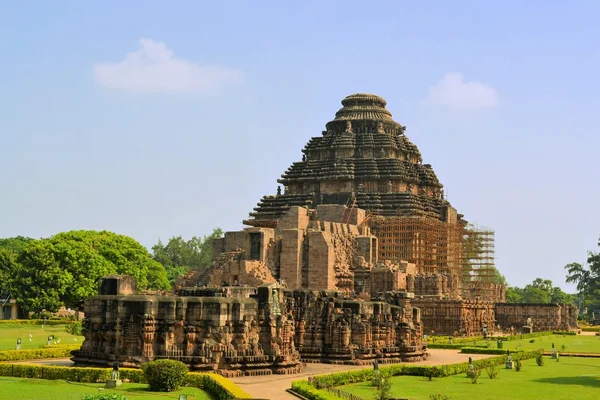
(439,396)
(74,328)
(539,359)
(430,373)
(563,347)
(473,374)
(383,391)
(103,396)
(532,341)
(165,375)
(377,379)
(518,366)
(492,371)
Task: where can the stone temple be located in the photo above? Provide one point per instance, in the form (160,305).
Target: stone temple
(355,260)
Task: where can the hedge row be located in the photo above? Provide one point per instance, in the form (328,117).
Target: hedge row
(33,321)
(450,346)
(34,354)
(220,387)
(455,340)
(364,375)
(483,350)
(591,329)
(310,392)
(568,333)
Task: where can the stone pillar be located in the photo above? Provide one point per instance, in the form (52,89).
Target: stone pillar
(321,272)
(290,261)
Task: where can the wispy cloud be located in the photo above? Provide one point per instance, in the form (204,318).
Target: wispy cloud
(453,91)
(154,68)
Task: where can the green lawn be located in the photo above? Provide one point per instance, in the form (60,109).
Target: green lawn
(575,344)
(9,333)
(40,389)
(570,378)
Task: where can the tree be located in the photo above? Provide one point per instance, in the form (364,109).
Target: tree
(179,256)
(540,291)
(514,294)
(35,278)
(586,278)
(533,294)
(65,268)
(15,244)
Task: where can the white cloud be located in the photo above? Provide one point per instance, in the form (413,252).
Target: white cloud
(453,91)
(154,68)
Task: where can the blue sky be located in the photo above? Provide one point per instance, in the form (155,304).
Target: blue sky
(156,119)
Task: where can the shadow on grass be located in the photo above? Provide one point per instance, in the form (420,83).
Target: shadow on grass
(592,380)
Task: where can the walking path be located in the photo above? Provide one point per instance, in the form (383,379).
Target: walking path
(273,387)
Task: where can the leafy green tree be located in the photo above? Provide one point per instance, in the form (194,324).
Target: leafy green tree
(533,294)
(179,256)
(35,278)
(64,269)
(539,291)
(15,244)
(587,279)
(514,294)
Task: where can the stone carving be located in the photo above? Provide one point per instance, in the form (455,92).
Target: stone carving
(348,126)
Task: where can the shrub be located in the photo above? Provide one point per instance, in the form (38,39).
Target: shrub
(439,396)
(165,375)
(532,341)
(33,354)
(492,371)
(474,375)
(518,365)
(74,328)
(539,359)
(312,393)
(383,390)
(103,396)
(377,379)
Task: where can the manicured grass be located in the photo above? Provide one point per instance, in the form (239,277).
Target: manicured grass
(570,378)
(40,389)
(574,344)
(9,333)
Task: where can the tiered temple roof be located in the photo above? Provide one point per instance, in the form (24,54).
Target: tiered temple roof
(363,158)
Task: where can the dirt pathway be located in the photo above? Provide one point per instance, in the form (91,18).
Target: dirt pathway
(274,387)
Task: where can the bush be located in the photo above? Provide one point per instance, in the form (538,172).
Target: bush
(165,375)
(539,359)
(518,366)
(439,396)
(30,322)
(74,328)
(383,390)
(34,354)
(479,350)
(312,393)
(474,375)
(104,396)
(492,371)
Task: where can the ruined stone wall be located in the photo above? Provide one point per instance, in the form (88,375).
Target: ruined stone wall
(545,317)
(230,335)
(333,330)
(438,285)
(455,317)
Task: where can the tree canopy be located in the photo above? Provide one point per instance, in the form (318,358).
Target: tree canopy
(540,291)
(179,256)
(586,278)
(64,269)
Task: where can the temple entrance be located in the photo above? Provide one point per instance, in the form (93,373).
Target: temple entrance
(255,245)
